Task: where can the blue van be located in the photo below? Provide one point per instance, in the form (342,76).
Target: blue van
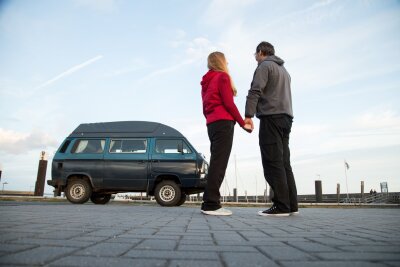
(100,159)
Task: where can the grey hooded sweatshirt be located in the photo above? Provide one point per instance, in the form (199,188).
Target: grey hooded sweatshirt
(270,90)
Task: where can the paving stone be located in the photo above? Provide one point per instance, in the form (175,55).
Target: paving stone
(372,256)
(313,247)
(105,249)
(285,253)
(217,248)
(39,255)
(194,263)
(331,263)
(165,254)
(235,259)
(106,262)
(53,242)
(154,244)
(13,248)
(373,248)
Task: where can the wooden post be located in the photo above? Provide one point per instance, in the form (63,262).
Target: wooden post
(41,175)
(318,191)
(362,190)
(338,193)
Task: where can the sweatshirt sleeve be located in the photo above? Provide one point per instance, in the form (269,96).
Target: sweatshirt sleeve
(260,79)
(226,93)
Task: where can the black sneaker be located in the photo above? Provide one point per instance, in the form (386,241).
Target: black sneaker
(273,211)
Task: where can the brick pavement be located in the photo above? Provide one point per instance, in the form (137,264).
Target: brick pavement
(62,234)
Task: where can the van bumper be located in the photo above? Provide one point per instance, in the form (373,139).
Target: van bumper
(56,182)
(58,186)
(202,183)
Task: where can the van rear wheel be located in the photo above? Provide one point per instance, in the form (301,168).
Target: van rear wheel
(100,198)
(167,193)
(78,191)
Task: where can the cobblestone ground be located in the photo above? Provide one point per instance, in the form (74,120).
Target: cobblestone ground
(61,234)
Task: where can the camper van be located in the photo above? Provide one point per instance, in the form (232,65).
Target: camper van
(100,159)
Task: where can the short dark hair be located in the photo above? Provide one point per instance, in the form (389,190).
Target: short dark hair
(266,49)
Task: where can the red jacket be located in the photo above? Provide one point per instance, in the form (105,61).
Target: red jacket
(217,95)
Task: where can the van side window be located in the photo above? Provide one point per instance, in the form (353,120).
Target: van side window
(89,146)
(165,146)
(128,146)
(65,146)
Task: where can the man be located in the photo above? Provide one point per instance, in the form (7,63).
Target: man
(270,99)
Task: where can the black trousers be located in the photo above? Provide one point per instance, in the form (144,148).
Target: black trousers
(221,138)
(275,154)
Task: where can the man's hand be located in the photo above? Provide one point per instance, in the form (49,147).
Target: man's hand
(249,121)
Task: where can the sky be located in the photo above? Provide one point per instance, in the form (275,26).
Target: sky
(63,63)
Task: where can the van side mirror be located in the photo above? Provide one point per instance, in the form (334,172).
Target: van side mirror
(180,148)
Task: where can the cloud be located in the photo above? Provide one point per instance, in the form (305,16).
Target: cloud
(375,128)
(69,72)
(17,143)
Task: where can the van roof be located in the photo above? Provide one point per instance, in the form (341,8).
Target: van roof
(125,129)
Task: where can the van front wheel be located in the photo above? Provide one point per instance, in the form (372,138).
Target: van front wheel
(78,191)
(167,193)
(182,200)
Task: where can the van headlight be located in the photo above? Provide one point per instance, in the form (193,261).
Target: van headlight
(204,170)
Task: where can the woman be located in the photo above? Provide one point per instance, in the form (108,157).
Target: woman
(221,114)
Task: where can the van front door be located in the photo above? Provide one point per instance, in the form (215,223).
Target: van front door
(126,164)
(174,157)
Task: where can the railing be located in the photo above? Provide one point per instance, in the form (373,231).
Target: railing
(378,198)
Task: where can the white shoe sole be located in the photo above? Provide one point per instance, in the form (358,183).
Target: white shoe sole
(295,213)
(216,213)
(273,215)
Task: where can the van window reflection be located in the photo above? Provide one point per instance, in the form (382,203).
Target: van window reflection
(165,146)
(89,146)
(128,146)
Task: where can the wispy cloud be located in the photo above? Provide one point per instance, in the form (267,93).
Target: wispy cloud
(68,72)
(195,50)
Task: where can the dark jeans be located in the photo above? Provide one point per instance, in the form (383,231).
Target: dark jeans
(275,154)
(221,138)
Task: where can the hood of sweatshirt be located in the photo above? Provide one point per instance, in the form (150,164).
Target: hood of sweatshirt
(275,59)
(207,79)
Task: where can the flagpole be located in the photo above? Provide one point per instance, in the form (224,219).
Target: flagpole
(345,173)
(237,191)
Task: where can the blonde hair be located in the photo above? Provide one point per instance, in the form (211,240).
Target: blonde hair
(216,61)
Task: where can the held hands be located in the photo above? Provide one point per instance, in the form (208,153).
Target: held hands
(249,126)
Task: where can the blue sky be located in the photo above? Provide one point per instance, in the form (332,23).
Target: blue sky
(63,63)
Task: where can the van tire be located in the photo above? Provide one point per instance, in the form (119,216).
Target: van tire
(100,198)
(78,191)
(167,193)
(182,200)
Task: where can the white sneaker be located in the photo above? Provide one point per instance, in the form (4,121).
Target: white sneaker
(218,212)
